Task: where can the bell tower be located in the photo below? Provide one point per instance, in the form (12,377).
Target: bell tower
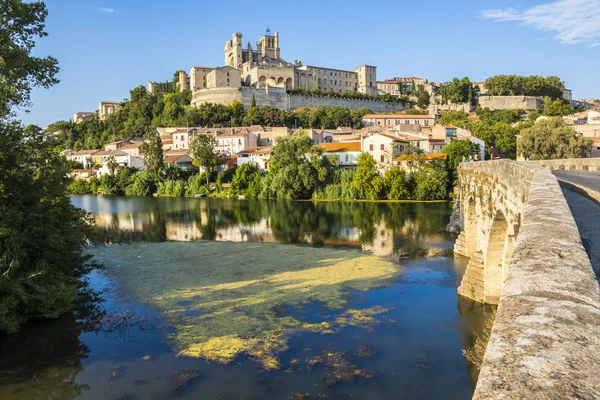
(233,51)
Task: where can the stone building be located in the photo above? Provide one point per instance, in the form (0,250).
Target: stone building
(105,108)
(83,116)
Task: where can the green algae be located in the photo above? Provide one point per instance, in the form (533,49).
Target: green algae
(222,299)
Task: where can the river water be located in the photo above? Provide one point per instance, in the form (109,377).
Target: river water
(413,352)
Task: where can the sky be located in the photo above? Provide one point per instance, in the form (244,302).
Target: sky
(105,48)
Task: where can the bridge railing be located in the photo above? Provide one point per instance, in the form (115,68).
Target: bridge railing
(545,341)
(570,164)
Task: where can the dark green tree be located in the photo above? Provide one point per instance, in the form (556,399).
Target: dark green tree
(153,154)
(367,182)
(202,149)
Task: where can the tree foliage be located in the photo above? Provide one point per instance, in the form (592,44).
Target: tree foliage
(553,139)
(20,24)
(153,154)
(202,149)
(367,182)
(516,85)
(556,107)
(298,169)
(458,91)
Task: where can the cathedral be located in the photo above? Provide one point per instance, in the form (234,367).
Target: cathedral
(263,65)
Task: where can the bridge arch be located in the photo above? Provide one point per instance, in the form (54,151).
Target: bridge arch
(493,274)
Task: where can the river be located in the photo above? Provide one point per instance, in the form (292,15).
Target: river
(366,306)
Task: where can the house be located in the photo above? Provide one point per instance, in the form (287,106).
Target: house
(384,147)
(81,116)
(133,149)
(346,153)
(84,157)
(183,162)
(225,161)
(119,158)
(593,117)
(390,120)
(258,156)
(81,173)
(234,142)
(116,145)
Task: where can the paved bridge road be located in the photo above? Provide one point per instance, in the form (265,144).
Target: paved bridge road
(585,211)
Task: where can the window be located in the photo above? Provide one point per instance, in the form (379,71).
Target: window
(370,147)
(346,157)
(406,121)
(382,159)
(382,147)
(331,81)
(426,122)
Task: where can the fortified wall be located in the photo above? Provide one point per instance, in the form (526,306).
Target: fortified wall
(278,97)
(570,164)
(520,234)
(511,102)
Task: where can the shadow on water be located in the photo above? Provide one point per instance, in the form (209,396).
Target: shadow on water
(415,354)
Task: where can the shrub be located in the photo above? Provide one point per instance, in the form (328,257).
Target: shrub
(142,184)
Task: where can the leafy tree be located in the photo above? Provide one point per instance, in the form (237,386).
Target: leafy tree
(490,117)
(430,182)
(123,178)
(20,24)
(242,179)
(423,96)
(41,233)
(553,139)
(202,149)
(32,131)
(457,151)
(397,184)
(457,118)
(556,107)
(500,135)
(153,154)
(367,182)
(515,85)
(298,168)
(141,184)
(458,91)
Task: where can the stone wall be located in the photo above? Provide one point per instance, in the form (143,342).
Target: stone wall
(545,342)
(436,108)
(511,102)
(570,164)
(278,97)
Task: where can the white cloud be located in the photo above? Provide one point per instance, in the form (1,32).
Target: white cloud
(572,21)
(106,10)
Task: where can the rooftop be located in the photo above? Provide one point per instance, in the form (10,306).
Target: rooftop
(398,116)
(337,147)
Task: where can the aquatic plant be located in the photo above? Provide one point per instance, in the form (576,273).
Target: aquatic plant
(223,299)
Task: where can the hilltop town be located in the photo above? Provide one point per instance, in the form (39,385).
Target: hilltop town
(387,116)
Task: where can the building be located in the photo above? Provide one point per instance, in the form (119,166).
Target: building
(106,108)
(262,66)
(257,156)
(345,153)
(409,161)
(384,147)
(398,85)
(391,120)
(81,116)
(234,141)
(182,161)
(84,157)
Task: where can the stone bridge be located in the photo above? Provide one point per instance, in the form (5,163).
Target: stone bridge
(525,254)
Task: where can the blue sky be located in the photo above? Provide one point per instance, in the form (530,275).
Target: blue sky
(107,47)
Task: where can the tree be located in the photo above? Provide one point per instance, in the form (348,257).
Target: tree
(153,154)
(20,24)
(458,118)
(41,233)
(423,96)
(458,91)
(32,131)
(111,164)
(556,107)
(202,149)
(552,139)
(367,182)
(242,179)
(534,85)
(500,135)
(397,184)
(297,166)
(457,151)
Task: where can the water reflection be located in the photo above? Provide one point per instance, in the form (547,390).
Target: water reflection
(384,229)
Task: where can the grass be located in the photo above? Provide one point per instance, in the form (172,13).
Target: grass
(222,299)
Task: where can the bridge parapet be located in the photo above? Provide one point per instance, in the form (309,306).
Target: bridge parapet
(526,254)
(570,164)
